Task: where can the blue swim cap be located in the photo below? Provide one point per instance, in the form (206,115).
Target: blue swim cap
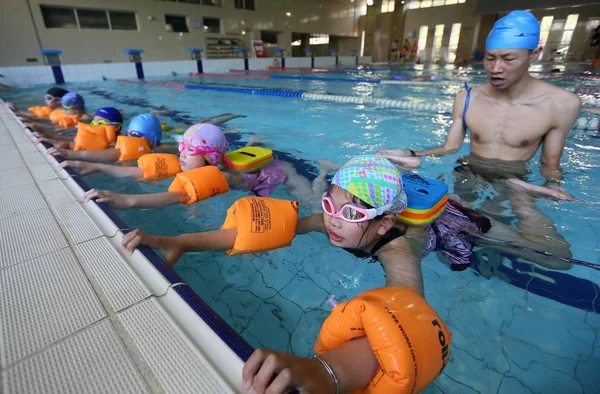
(72,100)
(517,30)
(146,125)
(111,114)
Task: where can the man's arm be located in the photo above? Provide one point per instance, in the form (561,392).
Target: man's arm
(565,108)
(456,133)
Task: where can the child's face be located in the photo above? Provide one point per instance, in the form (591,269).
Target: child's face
(52,102)
(189,162)
(344,234)
(74,112)
(101,121)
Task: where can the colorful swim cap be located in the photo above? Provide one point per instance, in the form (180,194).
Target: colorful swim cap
(111,114)
(517,30)
(72,100)
(146,125)
(207,137)
(374,180)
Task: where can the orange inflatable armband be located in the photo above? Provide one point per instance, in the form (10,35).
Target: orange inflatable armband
(410,341)
(68,121)
(200,183)
(40,111)
(157,166)
(90,138)
(57,115)
(262,223)
(132,148)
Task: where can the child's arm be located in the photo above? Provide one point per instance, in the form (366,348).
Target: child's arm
(353,363)
(311,223)
(86,167)
(87,155)
(129,201)
(57,143)
(174,247)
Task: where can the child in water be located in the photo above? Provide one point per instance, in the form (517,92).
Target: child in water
(205,145)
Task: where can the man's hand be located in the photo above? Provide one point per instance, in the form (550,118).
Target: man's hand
(552,192)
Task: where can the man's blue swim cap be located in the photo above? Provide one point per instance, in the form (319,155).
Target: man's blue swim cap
(517,30)
(146,125)
(111,114)
(72,100)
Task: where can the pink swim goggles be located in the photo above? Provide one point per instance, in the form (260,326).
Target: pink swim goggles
(349,212)
(192,150)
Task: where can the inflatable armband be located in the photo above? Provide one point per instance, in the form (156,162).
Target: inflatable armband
(57,115)
(410,341)
(40,111)
(93,137)
(157,166)
(200,183)
(68,121)
(132,148)
(262,223)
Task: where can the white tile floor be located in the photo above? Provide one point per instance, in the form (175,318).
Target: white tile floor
(76,314)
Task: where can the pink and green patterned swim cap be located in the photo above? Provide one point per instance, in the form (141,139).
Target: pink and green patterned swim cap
(374,180)
(207,137)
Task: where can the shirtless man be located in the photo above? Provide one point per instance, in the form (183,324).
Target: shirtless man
(509,118)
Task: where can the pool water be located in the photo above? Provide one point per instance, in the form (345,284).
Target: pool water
(516,326)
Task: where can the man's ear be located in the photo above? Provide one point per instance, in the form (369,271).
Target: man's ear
(534,55)
(385,224)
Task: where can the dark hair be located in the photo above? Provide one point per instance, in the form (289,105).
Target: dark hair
(56,92)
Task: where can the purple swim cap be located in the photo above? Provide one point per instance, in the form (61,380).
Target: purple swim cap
(207,137)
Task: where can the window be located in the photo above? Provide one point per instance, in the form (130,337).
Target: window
(82,18)
(59,17)
(122,20)
(177,23)
(453,44)
(387,6)
(570,25)
(423,30)
(92,19)
(269,37)
(244,4)
(545,26)
(362,43)
(432,3)
(212,25)
(438,35)
(318,39)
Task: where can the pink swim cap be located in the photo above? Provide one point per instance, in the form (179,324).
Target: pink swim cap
(207,137)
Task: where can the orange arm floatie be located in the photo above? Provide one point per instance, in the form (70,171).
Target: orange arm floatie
(262,223)
(409,339)
(200,183)
(157,166)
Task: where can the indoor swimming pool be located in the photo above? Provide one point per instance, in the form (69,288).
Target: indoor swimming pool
(514,323)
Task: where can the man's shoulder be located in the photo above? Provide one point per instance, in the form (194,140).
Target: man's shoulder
(558,94)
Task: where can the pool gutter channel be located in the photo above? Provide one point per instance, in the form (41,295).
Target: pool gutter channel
(207,334)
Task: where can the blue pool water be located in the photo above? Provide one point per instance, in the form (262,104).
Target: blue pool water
(516,326)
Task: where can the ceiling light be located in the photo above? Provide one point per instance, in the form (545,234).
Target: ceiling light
(288,14)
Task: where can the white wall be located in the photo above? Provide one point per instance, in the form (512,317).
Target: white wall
(35,75)
(19,41)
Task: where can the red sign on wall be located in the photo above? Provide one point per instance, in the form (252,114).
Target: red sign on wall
(259,48)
